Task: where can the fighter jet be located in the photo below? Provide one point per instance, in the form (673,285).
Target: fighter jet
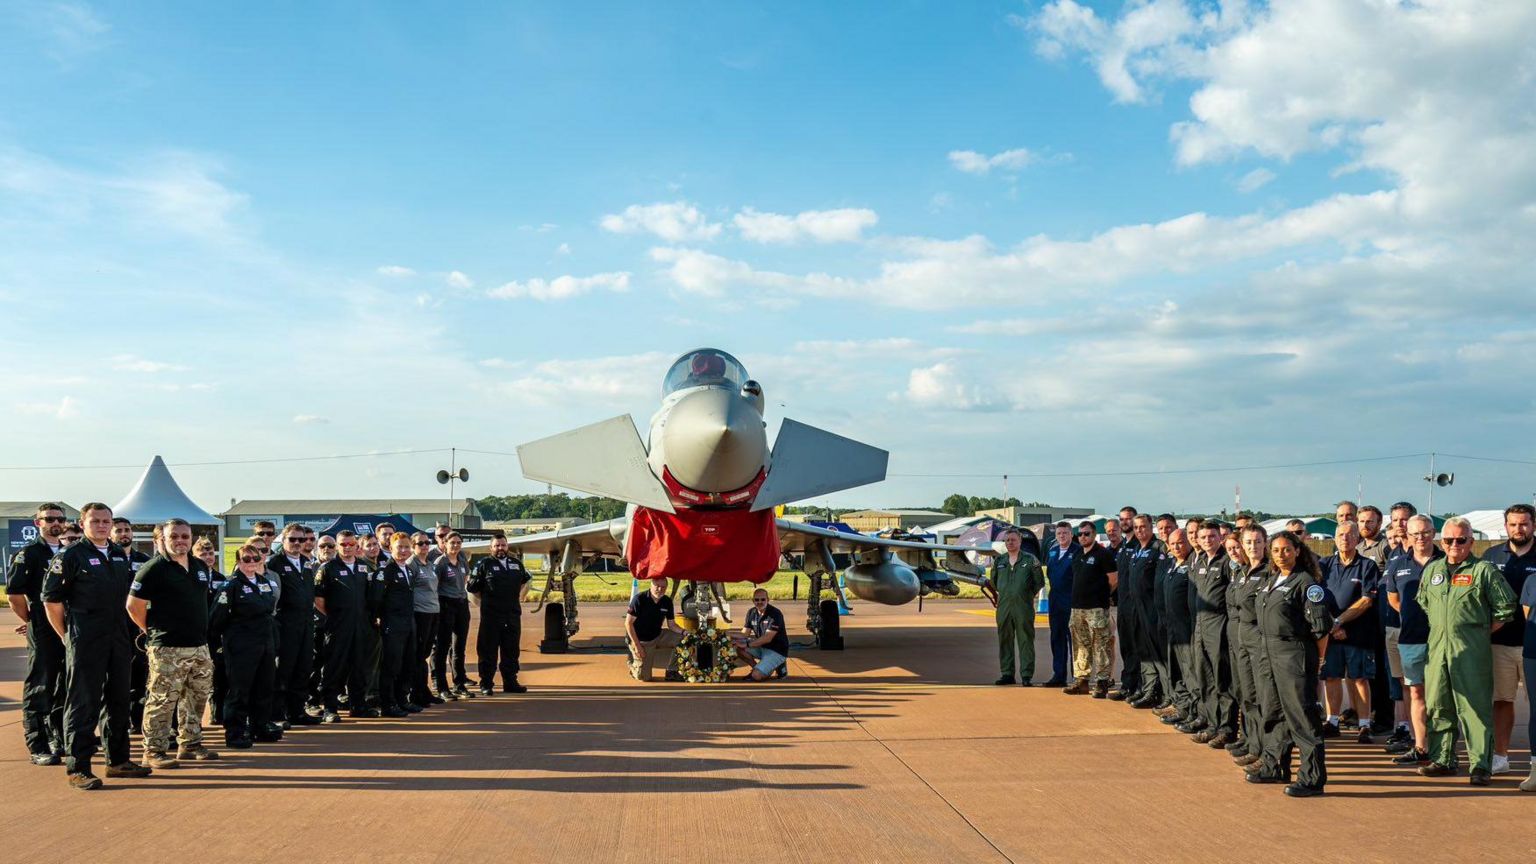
(702,489)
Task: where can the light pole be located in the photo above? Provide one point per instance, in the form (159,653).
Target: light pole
(453,474)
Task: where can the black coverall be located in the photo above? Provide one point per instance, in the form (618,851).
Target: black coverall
(1293,615)
(344,589)
(1246,649)
(1149,641)
(1210,655)
(295,635)
(392,612)
(1125,624)
(138,689)
(93,584)
(42,691)
(499,582)
(1177,610)
(242,616)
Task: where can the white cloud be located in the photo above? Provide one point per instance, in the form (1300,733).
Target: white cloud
(972,162)
(821,226)
(457,279)
(606,381)
(563,249)
(929,272)
(66,408)
(944,386)
(395,271)
(674,222)
(561,287)
(1150,40)
(70,30)
(1255,180)
(169,195)
(135,363)
(310,420)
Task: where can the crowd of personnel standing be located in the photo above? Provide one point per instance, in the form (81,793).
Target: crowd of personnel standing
(120,642)
(1252,644)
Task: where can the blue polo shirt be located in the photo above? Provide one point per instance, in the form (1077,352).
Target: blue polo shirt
(1388,616)
(1348,584)
(1403,580)
(1517,570)
(1528,598)
(1058,570)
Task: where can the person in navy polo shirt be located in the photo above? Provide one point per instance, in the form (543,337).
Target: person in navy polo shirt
(1352,581)
(1058,571)
(1516,559)
(1402,582)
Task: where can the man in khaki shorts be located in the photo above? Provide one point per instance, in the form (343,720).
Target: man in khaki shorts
(653,634)
(1516,559)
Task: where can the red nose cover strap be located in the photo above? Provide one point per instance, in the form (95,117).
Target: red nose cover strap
(703,545)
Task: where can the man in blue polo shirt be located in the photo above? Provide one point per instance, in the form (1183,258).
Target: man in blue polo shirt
(1352,581)
(1402,584)
(1516,559)
(1058,572)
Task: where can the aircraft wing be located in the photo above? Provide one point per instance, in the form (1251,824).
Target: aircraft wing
(595,539)
(797,537)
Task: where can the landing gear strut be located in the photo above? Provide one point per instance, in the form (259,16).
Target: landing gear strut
(821,616)
(560,622)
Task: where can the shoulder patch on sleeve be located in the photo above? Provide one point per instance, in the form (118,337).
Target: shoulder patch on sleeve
(1315,593)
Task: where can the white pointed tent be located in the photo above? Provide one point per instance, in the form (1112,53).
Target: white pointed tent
(157,497)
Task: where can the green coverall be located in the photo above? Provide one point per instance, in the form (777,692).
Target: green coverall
(1017,584)
(1462,602)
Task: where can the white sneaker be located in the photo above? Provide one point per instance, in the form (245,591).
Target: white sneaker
(1500,765)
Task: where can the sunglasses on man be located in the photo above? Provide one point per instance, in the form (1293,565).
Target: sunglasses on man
(1455,541)
(246,559)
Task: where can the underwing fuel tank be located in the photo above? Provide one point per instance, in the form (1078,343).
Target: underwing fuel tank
(888,582)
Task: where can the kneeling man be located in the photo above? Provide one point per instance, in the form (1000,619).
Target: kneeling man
(762,644)
(652,632)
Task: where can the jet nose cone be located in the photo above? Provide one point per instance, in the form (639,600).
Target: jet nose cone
(714,441)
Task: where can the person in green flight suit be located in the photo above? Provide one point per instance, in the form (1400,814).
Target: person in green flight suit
(1465,599)
(1017,578)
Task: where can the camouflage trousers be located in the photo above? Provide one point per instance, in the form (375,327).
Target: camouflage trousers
(1092,645)
(179,682)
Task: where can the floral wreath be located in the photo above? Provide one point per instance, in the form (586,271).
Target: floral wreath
(687,655)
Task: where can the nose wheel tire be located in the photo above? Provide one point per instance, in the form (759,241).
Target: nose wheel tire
(830,636)
(554,641)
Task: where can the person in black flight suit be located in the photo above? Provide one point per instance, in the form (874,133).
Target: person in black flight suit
(242,616)
(1120,545)
(122,535)
(1146,553)
(392,612)
(1210,655)
(86,593)
(500,583)
(295,628)
(1178,611)
(42,692)
(1249,575)
(341,596)
(1294,621)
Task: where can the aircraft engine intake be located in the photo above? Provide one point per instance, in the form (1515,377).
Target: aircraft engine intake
(889,582)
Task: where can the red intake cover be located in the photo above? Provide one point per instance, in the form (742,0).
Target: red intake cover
(703,545)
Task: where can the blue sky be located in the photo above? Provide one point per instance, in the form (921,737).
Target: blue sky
(1033,238)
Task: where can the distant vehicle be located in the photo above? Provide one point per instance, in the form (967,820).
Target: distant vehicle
(702,489)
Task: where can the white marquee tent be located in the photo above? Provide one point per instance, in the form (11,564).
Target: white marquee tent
(157,497)
(1488,524)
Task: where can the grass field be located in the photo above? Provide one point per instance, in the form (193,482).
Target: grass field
(599,587)
(592,587)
